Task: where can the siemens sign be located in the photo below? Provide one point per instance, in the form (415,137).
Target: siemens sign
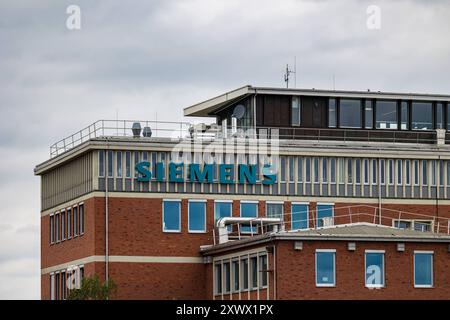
(246,173)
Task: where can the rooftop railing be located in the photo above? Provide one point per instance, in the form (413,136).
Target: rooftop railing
(342,216)
(185,130)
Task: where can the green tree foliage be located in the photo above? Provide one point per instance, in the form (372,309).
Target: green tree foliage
(92,289)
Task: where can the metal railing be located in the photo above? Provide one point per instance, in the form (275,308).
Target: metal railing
(185,130)
(342,216)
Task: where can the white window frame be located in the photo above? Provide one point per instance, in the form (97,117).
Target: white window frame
(419,286)
(275,202)
(179,216)
(371,286)
(326,285)
(307,213)
(240,212)
(189,216)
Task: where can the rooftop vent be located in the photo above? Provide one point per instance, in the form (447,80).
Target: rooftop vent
(147,133)
(136,128)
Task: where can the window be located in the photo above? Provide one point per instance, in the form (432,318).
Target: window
(110,163)
(401,224)
(424,172)
(244,274)
(374,171)
(433,172)
(416,172)
(374,266)
(69,223)
(283,169)
(136,161)
(291,169)
(63,225)
(350,113)
(254,269)
(441,173)
(366,171)
(57,227)
(325,213)
(333,170)
(408,172)
(404,116)
(57,286)
(274,210)
(382,171)
(128,164)
(154,161)
(52,228)
(197,216)
(296,111)
(300,169)
(423,269)
(325,268)
(440,123)
(399,172)
(171,216)
(386,114)
(227,276)
(391,172)
(417,225)
(368,113)
(332,112)
(63,286)
(299,219)
(341,170)
(119,164)
(316,170)
(52,286)
(263,270)
(424,226)
(101,163)
(235,271)
(422,116)
(222,209)
(81,218)
(75,221)
(249,210)
(324,170)
(308,169)
(218,273)
(358,171)
(349,170)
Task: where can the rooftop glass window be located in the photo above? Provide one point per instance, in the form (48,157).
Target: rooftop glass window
(386,114)
(296,111)
(332,112)
(350,113)
(404,116)
(422,116)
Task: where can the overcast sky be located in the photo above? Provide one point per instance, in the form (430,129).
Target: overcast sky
(139,58)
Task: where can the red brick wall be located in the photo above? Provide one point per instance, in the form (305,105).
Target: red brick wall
(296,272)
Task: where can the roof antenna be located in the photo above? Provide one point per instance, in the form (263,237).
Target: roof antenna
(287,74)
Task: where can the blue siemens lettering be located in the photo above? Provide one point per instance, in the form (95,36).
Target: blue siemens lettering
(204,173)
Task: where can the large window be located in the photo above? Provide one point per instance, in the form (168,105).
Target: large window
(374,266)
(57,227)
(296,111)
(350,113)
(218,276)
(171,216)
(235,272)
(299,219)
(81,218)
(386,114)
(332,112)
(227,277)
(254,271)
(119,164)
(128,164)
(222,209)
(324,214)
(325,268)
(423,269)
(274,210)
(110,163)
(101,163)
(75,221)
(422,116)
(197,216)
(69,223)
(244,274)
(440,108)
(263,270)
(249,209)
(63,225)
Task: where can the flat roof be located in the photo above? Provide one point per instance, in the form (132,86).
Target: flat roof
(207,107)
(360,231)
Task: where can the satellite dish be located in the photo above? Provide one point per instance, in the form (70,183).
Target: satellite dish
(239,111)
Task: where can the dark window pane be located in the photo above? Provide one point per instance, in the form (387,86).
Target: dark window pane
(440,123)
(350,113)
(422,116)
(386,114)
(295,111)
